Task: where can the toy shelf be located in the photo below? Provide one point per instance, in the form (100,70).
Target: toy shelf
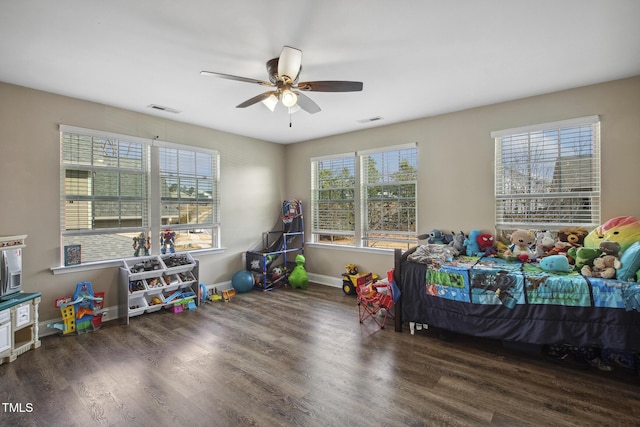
(146,282)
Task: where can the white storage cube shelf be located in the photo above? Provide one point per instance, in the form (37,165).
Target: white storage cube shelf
(154,302)
(137,305)
(154,285)
(151,279)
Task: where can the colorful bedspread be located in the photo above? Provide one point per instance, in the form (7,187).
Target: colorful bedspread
(495,281)
(489,297)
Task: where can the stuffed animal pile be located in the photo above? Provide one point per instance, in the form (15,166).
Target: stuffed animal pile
(610,251)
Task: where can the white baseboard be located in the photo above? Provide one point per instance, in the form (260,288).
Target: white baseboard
(321,279)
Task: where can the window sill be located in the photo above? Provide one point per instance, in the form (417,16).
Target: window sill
(99,265)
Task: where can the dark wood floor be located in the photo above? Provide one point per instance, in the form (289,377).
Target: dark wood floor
(298,357)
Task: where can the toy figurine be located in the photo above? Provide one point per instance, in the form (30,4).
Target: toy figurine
(141,243)
(167,239)
(298,277)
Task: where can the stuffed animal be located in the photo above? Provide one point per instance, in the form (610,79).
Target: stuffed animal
(471,243)
(485,241)
(605,265)
(458,241)
(521,243)
(436,237)
(573,235)
(583,256)
(623,229)
(544,243)
(556,263)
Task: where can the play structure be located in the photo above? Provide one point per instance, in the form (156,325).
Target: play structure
(271,264)
(81,312)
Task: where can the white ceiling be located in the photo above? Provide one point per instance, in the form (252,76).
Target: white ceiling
(416,58)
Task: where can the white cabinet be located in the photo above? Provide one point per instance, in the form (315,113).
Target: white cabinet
(148,284)
(23,315)
(19,327)
(5,333)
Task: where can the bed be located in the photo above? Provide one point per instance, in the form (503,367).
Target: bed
(517,303)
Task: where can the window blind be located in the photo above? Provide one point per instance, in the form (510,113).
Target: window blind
(389,188)
(333,195)
(548,176)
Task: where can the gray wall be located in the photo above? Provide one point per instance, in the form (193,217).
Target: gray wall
(252,186)
(455,179)
(456,162)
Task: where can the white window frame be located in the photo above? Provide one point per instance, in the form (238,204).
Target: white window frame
(534,193)
(151,220)
(381,236)
(345,229)
(362,235)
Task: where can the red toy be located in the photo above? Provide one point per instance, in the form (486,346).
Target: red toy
(485,241)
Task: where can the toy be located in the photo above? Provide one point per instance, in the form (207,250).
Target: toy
(350,278)
(141,243)
(277,273)
(630,260)
(471,243)
(242,281)
(544,243)
(556,263)
(623,229)
(521,242)
(81,313)
(457,241)
(298,277)
(485,241)
(583,256)
(436,237)
(573,235)
(605,265)
(167,240)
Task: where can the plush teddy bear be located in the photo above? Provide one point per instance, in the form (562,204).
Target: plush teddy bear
(605,265)
(521,243)
(572,237)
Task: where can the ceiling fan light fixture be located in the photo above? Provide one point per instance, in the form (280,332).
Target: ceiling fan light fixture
(289,63)
(294,109)
(289,99)
(271,102)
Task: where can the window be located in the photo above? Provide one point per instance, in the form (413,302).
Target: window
(388,197)
(333,185)
(368,200)
(548,175)
(108,207)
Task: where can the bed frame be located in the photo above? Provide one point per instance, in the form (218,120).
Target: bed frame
(613,327)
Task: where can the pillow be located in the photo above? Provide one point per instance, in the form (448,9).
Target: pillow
(630,261)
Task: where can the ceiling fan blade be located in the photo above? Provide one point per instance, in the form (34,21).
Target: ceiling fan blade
(331,86)
(307,103)
(289,63)
(256,99)
(237,78)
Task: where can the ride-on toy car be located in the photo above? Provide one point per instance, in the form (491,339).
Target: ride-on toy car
(350,278)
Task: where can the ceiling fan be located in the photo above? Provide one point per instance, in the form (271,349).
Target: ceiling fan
(284,73)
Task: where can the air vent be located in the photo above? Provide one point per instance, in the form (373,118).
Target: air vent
(162,108)
(370,119)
